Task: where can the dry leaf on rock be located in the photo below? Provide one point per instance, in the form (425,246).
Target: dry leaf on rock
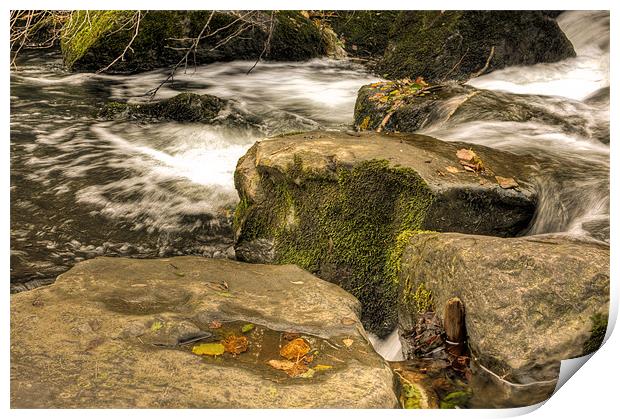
(293,369)
(295,349)
(452,169)
(347,342)
(215,324)
(506,182)
(465,154)
(235,344)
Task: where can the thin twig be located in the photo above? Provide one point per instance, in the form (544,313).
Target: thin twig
(138,17)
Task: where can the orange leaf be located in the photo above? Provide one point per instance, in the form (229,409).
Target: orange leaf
(295,349)
(235,344)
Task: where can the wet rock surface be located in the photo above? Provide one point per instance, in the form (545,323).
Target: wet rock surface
(131,333)
(414,107)
(529,303)
(185,107)
(336,204)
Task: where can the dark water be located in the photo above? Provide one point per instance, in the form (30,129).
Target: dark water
(83,187)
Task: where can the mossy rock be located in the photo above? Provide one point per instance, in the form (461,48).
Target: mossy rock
(365,32)
(184,107)
(530,302)
(339,205)
(461,44)
(412,108)
(91,40)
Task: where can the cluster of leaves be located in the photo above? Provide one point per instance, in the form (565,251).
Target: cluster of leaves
(471,162)
(233,344)
(397,90)
(297,356)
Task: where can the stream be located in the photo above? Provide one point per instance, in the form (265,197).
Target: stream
(82,187)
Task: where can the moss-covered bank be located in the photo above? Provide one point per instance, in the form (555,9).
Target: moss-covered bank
(93,39)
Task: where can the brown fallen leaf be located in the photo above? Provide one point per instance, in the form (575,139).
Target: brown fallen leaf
(506,182)
(215,324)
(452,169)
(293,369)
(465,154)
(235,344)
(295,349)
(347,342)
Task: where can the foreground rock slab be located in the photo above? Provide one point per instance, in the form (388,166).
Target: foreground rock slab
(336,204)
(529,302)
(119,333)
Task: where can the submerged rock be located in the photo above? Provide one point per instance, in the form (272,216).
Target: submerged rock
(184,107)
(530,302)
(91,40)
(412,106)
(157,333)
(458,45)
(340,206)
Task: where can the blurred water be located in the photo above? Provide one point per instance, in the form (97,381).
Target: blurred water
(82,187)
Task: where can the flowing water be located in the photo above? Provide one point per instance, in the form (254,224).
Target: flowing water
(82,187)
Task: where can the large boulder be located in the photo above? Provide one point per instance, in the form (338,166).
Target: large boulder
(529,303)
(336,204)
(443,45)
(413,106)
(121,333)
(91,40)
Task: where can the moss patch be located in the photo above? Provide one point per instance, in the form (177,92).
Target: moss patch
(599,328)
(343,226)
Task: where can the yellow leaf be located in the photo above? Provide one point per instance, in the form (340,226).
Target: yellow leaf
(156,325)
(321,367)
(347,342)
(208,349)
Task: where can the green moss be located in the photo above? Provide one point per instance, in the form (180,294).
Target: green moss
(295,38)
(84,28)
(455,399)
(345,227)
(412,397)
(599,328)
(365,32)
